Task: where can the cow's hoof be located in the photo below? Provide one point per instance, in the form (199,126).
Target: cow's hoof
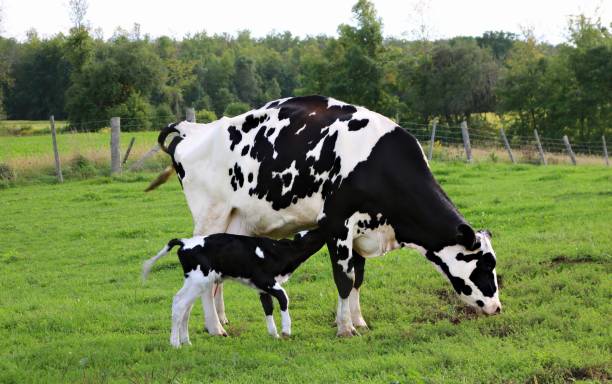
(218,332)
(175,344)
(360,323)
(347,333)
(285,335)
(223,319)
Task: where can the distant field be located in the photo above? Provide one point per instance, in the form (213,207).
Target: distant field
(72,307)
(32,156)
(28,127)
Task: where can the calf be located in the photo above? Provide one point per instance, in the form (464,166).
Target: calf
(258,262)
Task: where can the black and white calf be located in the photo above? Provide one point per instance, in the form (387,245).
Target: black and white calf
(258,262)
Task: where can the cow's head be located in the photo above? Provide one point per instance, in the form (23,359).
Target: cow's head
(470,267)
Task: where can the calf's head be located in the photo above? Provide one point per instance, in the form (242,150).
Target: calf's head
(470,267)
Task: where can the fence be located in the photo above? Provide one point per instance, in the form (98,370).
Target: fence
(85,143)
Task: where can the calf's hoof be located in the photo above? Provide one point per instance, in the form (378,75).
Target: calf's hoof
(223,319)
(285,335)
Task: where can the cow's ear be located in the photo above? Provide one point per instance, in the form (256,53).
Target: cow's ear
(466,236)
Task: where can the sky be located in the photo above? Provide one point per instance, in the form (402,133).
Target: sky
(401,18)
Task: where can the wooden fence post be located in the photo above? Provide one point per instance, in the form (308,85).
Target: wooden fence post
(433,139)
(568,147)
(137,165)
(58,165)
(114,143)
(127,152)
(605,150)
(190,115)
(542,158)
(507,145)
(466,141)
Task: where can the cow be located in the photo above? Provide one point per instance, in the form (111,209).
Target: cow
(302,162)
(258,262)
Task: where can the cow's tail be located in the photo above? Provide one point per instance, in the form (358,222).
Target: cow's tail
(161,178)
(163,135)
(147,265)
(161,141)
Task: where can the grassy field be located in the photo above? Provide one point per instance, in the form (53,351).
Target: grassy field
(73,308)
(28,127)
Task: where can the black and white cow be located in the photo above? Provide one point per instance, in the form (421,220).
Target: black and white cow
(302,162)
(259,262)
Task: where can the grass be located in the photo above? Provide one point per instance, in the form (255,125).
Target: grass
(73,309)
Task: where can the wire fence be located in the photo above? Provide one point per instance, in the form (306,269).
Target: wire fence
(86,145)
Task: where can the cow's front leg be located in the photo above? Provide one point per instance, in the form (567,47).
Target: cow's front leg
(359,268)
(341,254)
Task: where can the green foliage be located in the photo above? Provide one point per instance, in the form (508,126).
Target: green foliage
(163,116)
(205,116)
(75,310)
(563,89)
(236,108)
(135,112)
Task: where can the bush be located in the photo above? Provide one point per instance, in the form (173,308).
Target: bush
(163,116)
(7,174)
(205,116)
(236,108)
(134,112)
(81,167)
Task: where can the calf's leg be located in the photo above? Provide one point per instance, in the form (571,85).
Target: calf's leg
(266,303)
(211,319)
(283,300)
(181,306)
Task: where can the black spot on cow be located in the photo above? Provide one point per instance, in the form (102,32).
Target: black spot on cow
(180,171)
(482,275)
(238,174)
(250,122)
(231,171)
(235,136)
(245,150)
(250,177)
(480,303)
(458,283)
(274,104)
(287,177)
(355,125)
(270,132)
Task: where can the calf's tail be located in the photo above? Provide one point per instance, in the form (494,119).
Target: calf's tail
(147,265)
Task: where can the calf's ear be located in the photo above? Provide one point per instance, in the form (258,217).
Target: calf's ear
(466,236)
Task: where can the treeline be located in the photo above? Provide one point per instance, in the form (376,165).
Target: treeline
(563,89)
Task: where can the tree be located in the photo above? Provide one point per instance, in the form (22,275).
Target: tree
(499,42)
(247,82)
(357,66)
(78,10)
(41,76)
(116,73)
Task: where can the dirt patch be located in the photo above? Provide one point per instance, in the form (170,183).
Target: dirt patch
(562,259)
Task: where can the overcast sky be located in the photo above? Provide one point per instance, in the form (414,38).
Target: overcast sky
(176,18)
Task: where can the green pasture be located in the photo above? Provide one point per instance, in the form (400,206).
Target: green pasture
(73,308)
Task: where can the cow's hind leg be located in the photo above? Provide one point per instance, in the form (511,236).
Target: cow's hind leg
(359,268)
